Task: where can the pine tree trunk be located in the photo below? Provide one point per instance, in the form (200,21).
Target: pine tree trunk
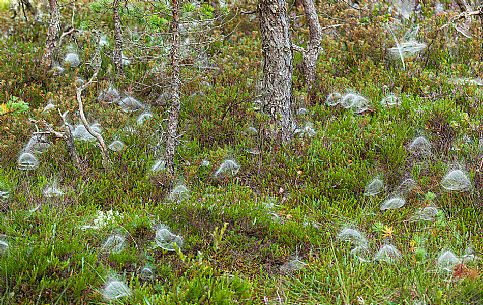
(172,133)
(311,54)
(117,56)
(277,66)
(52,34)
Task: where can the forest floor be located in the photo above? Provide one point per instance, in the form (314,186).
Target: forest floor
(381,205)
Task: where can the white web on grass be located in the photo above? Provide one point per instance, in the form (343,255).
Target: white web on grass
(130,104)
(72,60)
(143,117)
(408,47)
(420,147)
(229,167)
(427,214)
(179,193)
(3,245)
(374,187)
(388,253)
(394,202)
(306,131)
(117,146)
(390,100)
(447,261)
(110,95)
(353,236)
(456,180)
(27,161)
(158,166)
(115,289)
(167,240)
(114,244)
(53,190)
(80,132)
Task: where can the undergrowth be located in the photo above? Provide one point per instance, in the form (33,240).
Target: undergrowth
(285,202)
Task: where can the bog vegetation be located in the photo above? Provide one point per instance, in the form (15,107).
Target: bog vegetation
(145,157)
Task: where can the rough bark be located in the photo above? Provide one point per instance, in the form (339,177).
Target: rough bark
(52,34)
(173,118)
(277,66)
(311,53)
(480,9)
(117,56)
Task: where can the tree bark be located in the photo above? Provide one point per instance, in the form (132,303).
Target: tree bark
(52,34)
(277,66)
(117,56)
(172,133)
(311,54)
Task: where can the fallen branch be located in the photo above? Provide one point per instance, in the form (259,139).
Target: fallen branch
(463,15)
(66,136)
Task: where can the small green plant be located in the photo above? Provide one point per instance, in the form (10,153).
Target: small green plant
(218,236)
(99,6)
(420,253)
(207,11)
(378,227)
(158,23)
(429,196)
(15,106)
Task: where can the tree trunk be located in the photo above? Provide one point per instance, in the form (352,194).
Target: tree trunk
(277,66)
(172,136)
(481,33)
(117,56)
(52,34)
(311,54)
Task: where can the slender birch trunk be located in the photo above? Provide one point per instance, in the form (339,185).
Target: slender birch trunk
(117,56)
(172,133)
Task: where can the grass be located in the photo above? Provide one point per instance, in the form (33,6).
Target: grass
(285,202)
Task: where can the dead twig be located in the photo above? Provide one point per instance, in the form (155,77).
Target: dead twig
(69,141)
(97,66)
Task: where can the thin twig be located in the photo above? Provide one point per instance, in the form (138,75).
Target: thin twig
(69,141)
(98,136)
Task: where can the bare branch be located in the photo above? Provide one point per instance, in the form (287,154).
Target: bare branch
(97,64)
(69,141)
